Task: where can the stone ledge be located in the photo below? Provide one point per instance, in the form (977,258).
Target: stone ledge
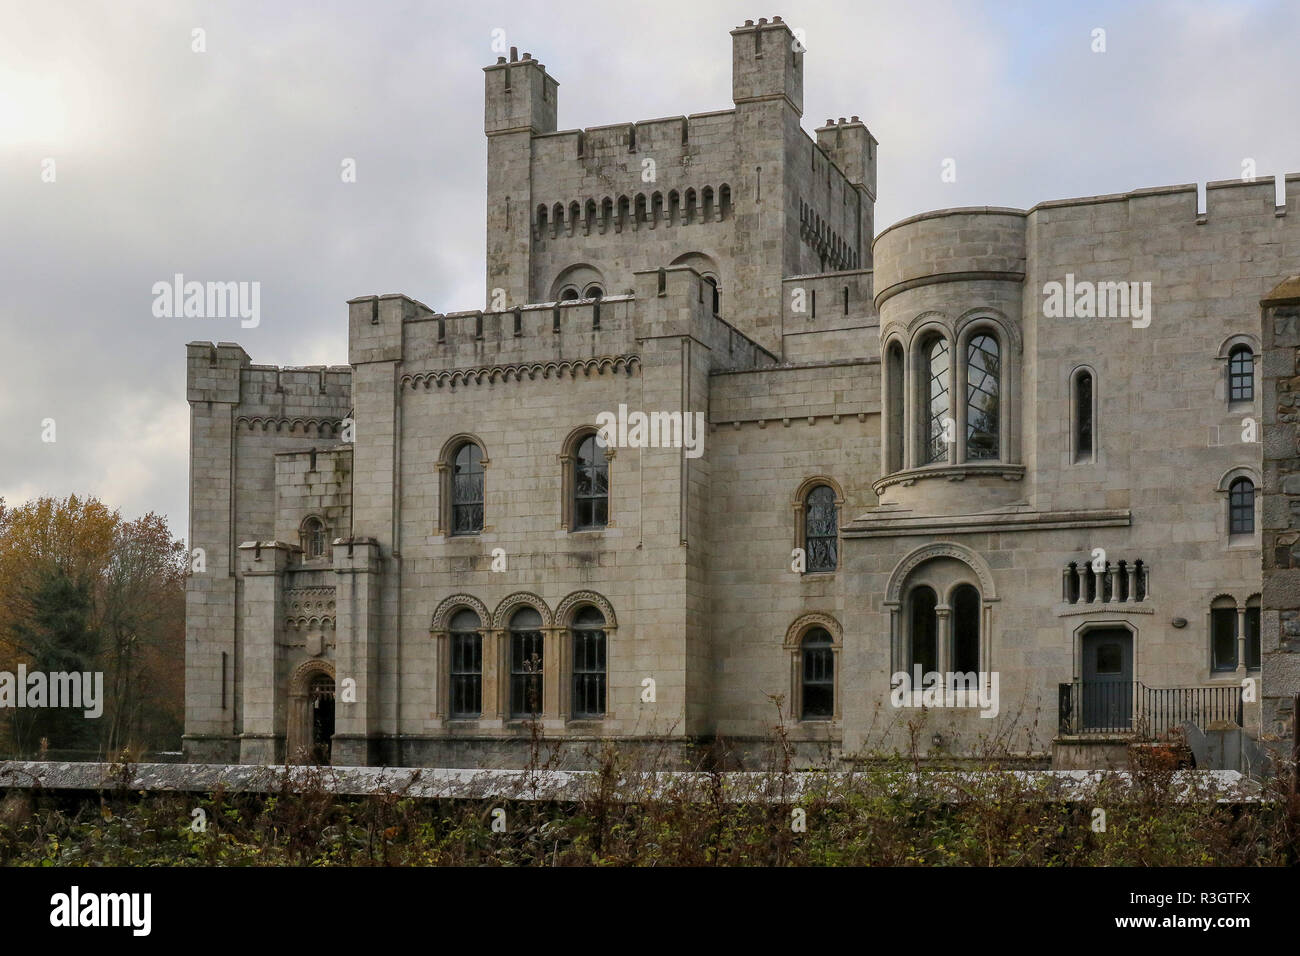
(560,785)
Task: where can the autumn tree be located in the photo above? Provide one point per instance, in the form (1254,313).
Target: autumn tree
(81,589)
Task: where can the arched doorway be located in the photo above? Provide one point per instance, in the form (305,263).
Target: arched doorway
(311,713)
(321,700)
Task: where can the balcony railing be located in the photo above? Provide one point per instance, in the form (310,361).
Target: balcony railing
(1150,713)
(1124,582)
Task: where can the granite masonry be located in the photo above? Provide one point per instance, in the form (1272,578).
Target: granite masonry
(1019,445)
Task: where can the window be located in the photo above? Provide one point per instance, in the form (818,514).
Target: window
(313,537)
(590,486)
(1083,413)
(466,665)
(966,629)
(526,647)
(817,683)
(821,529)
(712,291)
(924,629)
(593,292)
(569,295)
(1241,506)
(588,663)
(1241,374)
(894,383)
(983,381)
(467,490)
(1252,633)
(1223,636)
(937,405)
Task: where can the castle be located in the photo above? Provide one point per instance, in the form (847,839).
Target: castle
(913,460)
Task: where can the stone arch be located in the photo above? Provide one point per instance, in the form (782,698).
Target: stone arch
(1241,338)
(565,610)
(1241,471)
(968,322)
(512,602)
(806,622)
(300,679)
(943,549)
(579,275)
(448,606)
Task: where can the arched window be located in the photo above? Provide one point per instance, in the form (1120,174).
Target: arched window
(983,391)
(894,411)
(526,649)
(590,486)
(467,490)
(1223,634)
(466,664)
(817,681)
(1241,374)
(313,537)
(966,629)
(569,295)
(588,630)
(712,291)
(821,529)
(937,416)
(593,292)
(924,628)
(1082,429)
(1241,506)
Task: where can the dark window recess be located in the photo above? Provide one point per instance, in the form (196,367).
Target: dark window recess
(925,629)
(966,629)
(818,681)
(1223,628)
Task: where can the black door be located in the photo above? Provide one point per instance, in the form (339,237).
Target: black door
(1107,687)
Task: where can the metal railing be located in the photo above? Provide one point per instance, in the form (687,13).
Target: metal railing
(1150,713)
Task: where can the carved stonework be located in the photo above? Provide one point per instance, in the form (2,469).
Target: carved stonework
(508,605)
(944,550)
(564,613)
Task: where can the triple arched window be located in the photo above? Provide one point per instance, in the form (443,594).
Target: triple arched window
(572,652)
(944,398)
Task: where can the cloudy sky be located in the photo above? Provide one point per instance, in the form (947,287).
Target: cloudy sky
(225,164)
